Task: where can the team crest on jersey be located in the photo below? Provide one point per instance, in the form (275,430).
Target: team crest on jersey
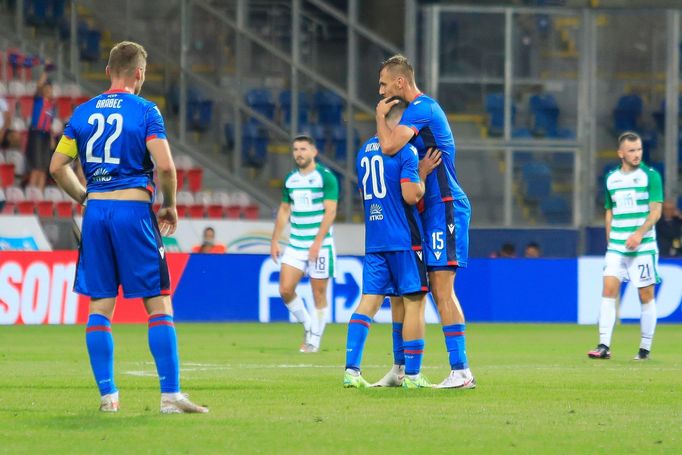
(375,212)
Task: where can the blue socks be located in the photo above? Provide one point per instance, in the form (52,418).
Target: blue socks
(414,352)
(358,328)
(164,346)
(100,345)
(398,353)
(456,345)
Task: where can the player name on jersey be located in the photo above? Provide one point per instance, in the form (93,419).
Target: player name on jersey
(114,103)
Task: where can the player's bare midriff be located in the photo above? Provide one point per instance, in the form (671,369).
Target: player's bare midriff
(127,194)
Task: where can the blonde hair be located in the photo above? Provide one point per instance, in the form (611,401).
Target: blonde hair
(125,57)
(399,65)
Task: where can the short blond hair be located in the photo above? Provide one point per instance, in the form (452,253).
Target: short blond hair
(125,57)
(399,65)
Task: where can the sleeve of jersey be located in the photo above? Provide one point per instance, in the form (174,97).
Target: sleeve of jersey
(285,194)
(67,144)
(416,117)
(331,186)
(409,171)
(155,126)
(608,203)
(655,187)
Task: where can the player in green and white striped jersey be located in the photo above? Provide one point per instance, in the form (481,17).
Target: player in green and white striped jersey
(633,206)
(309,198)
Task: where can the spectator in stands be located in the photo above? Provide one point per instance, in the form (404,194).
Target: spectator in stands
(40,141)
(5,122)
(532,250)
(208,243)
(508,250)
(669,231)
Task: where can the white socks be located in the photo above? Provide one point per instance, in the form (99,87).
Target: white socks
(607,319)
(297,308)
(321,320)
(171,396)
(648,324)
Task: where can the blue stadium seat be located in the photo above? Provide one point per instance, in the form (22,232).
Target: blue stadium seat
(35,11)
(537,181)
(494,106)
(90,45)
(199,114)
(329,107)
(318,133)
(254,144)
(659,116)
(562,161)
(261,101)
(303,107)
(626,113)
(55,12)
(522,133)
(556,210)
(339,141)
(545,112)
(522,157)
(561,133)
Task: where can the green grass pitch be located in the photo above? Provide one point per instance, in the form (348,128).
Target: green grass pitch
(537,393)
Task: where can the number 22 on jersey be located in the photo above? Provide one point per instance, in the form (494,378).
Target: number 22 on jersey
(373,167)
(97,119)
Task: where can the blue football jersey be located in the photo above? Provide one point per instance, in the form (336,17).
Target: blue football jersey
(111,133)
(390,223)
(431,129)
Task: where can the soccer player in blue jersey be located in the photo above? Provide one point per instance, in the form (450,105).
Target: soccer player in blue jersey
(116,135)
(390,188)
(446,210)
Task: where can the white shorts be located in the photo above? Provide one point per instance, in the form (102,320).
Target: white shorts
(642,271)
(321,269)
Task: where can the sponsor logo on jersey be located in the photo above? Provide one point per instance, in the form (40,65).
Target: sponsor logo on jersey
(437,254)
(101,175)
(375,212)
(419,253)
(451,228)
(162,252)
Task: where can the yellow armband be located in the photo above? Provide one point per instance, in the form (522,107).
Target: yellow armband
(68,147)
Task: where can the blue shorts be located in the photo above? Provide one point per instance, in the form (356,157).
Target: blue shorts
(446,234)
(121,245)
(394,273)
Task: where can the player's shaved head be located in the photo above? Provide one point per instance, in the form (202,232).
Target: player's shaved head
(398,65)
(397,109)
(125,57)
(628,136)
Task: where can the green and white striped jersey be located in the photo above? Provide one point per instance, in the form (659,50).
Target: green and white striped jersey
(628,195)
(306,194)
